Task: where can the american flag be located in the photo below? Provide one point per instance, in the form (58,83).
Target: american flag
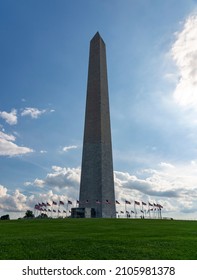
(143,203)
(127,202)
(70,202)
(61,202)
(117,202)
(160,206)
(137,203)
(54,203)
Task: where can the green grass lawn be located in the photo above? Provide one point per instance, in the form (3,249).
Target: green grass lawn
(98,239)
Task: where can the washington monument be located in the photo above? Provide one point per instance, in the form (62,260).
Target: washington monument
(97,181)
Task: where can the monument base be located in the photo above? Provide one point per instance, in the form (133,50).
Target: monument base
(81,212)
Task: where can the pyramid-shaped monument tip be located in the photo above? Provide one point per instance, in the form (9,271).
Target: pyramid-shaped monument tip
(97,36)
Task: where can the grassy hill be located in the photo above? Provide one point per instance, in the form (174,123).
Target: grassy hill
(98,239)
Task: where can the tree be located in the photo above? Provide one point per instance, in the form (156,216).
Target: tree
(29,214)
(42,216)
(5,217)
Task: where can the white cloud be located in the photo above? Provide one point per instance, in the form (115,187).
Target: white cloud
(8,148)
(3,191)
(7,137)
(62,180)
(150,186)
(167,165)
(26,184)
(39,183)
(43,152)
(59,178)
(184,53)
(63,177)
(67,148)
(47,197)
(10,118)
(34,113)
(15,202)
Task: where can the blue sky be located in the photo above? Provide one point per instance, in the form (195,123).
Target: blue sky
(152,76)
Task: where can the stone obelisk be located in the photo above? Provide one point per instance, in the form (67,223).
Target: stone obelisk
(97,181)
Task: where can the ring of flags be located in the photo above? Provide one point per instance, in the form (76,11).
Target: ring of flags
(53,207)
(151,210)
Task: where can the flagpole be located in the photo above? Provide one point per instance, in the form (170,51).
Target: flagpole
(153,210)
(58,209)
